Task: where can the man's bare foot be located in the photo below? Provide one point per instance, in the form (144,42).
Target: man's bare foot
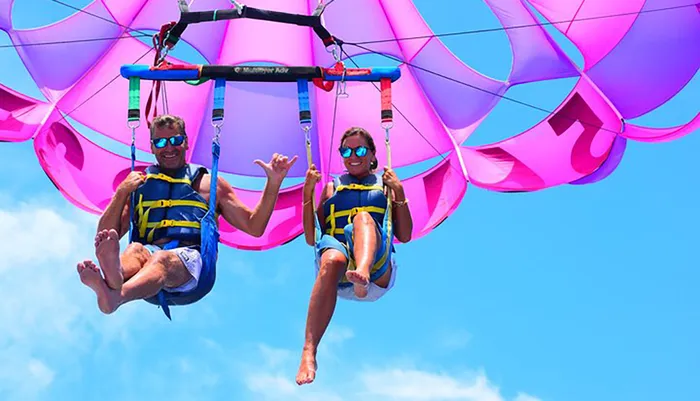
(107,252)
(307,368)
(107,298)
(360,281)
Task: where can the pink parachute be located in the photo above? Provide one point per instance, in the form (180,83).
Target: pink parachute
(633,64)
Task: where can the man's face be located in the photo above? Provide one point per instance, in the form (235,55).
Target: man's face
(169,156)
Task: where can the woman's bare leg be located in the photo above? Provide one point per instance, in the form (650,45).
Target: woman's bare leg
(321,307)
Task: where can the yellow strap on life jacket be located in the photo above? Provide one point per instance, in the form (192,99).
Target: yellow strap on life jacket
(169,223)
(173,202)
(167,178)
(353,212)
(144,209)
(359,187)
(333,229)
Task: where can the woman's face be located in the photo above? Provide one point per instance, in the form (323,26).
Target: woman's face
(358,166)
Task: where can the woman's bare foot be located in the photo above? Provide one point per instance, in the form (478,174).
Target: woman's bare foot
(307,368)
(360,279)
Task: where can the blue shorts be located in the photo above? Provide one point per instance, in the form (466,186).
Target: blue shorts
(330,242)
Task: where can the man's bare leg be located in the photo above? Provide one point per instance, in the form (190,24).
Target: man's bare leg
(321,307)
(162,269)
(107,253)
(134,257)
(365,247)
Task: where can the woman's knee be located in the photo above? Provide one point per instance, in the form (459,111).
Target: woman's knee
(333,264)
(362,219)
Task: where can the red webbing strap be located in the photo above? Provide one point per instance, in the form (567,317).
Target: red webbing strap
(156,86)
(387,114)
(325,85)
(158,44)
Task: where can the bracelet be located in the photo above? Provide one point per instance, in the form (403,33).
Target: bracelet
(307,202)
(401,203)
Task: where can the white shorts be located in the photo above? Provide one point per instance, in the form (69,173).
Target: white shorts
(192,260)
(374,292)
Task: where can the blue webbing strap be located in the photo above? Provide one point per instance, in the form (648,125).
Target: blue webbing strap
(306,123)
(303,95)
(219,92)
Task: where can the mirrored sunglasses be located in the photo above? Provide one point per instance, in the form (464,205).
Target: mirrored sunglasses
(346,152)
(176,140)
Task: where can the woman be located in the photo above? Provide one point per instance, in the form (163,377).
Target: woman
(351,214)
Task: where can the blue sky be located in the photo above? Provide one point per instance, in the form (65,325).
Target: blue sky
(570,294)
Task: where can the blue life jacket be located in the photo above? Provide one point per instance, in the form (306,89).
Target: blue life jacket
(167,206)
(350,197)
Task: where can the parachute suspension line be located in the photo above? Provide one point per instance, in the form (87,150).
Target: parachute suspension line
(335,113)
(217,120)
(133,122)
(166,107)
(305,122)
(387,122)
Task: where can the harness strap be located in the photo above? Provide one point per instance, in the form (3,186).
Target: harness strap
(167,178)
(169,223)
(359,187)
(353,212)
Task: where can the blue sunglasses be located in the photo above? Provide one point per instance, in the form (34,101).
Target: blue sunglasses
(176,140)
(346,152)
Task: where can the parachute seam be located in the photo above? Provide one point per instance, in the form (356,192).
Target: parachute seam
(412,125)
(484,90)
(540,24)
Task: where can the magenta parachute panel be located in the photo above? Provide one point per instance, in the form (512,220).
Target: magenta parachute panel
(637,55)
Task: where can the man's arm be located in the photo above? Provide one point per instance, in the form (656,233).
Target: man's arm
(253,222)
(116,215)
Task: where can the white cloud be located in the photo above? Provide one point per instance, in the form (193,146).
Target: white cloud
(48,319)
(401,384)
(525,397)
(273,379)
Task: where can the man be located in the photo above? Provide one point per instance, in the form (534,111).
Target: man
(167,256)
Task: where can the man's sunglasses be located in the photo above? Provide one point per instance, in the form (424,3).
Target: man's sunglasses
(176,140)
(346,152)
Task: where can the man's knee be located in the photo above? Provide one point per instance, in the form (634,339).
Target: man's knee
(135,255)
(173,271)
(166,259)
(135,249)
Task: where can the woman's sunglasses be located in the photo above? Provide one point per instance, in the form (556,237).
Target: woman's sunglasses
(176,140)
(346,152)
